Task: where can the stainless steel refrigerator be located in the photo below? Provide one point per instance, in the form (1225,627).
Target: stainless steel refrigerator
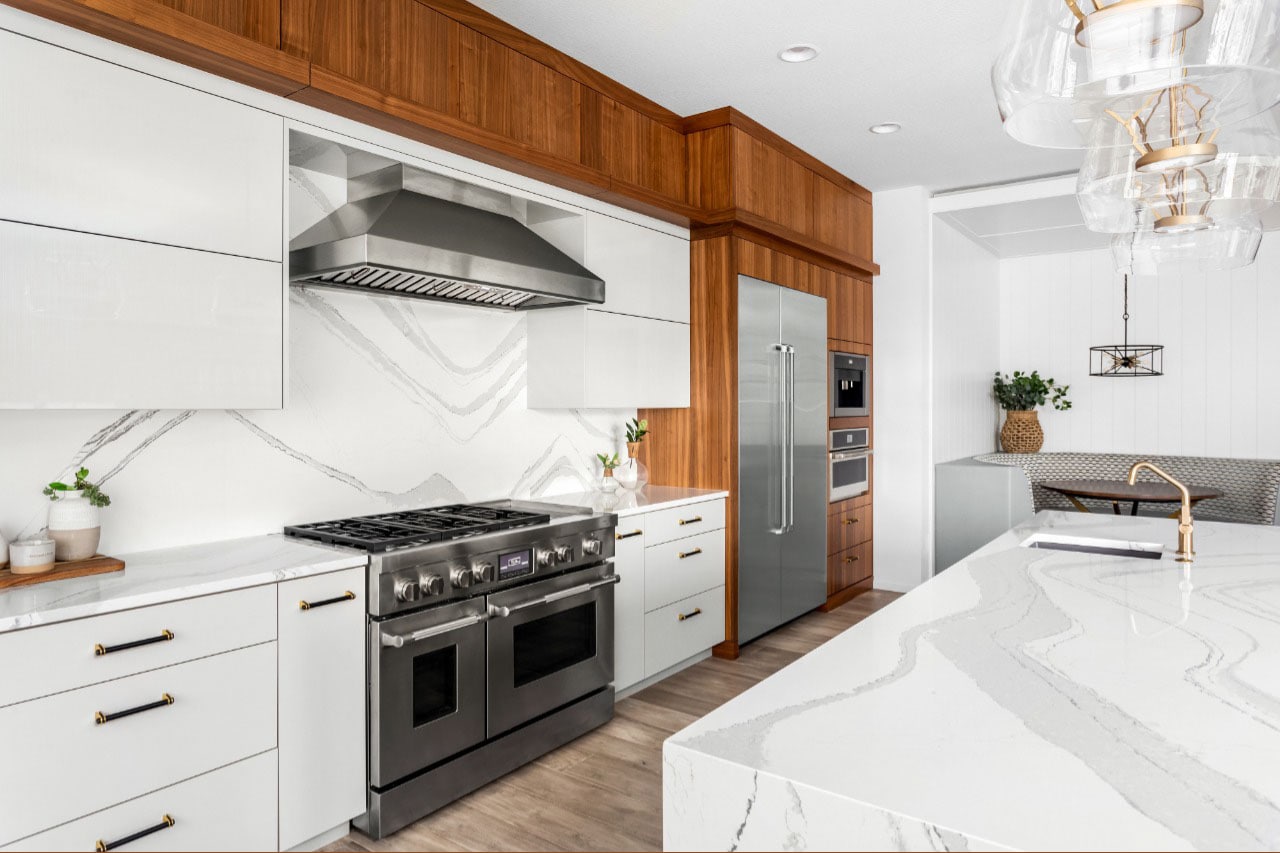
(782,455)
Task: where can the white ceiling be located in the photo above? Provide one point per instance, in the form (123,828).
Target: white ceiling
(1031,227)
(922,63)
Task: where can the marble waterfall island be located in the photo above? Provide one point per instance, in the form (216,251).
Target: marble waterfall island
(1022,699)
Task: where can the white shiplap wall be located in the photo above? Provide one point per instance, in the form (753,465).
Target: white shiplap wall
(1220,395)
(966,344)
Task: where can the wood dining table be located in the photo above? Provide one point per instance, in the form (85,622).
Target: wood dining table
(1120,492)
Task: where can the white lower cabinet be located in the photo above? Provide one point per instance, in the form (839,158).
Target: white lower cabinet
(231,808)
(322,704)
(669,606)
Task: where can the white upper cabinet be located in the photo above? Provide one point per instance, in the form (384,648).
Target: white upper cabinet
(91,146)
(646,272)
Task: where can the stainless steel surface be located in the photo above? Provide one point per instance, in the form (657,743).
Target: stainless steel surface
(782,428)
(395,807)
(849,439)
(844,361)
(1104,547)
(398,641)
(401,242)
(840,489)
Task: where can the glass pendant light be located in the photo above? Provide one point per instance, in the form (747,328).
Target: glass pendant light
(1227,244)
(1067,70)
(1117,195)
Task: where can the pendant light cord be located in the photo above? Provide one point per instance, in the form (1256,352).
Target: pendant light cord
(1126,311)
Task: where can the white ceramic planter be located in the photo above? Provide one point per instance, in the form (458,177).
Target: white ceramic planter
(74,526)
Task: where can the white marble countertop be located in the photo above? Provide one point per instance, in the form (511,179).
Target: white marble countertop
(153,577)
(1021,699)
(624,503)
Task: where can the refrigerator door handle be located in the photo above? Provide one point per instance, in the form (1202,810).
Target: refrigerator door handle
(784,461)
(791,438)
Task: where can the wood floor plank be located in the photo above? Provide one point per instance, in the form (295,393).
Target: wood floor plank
(604,790)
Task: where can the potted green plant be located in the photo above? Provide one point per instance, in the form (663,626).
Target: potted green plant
(633,474)
(1020,396)
(74,522)
(609,461)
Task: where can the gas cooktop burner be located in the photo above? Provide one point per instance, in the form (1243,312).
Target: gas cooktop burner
(410,528)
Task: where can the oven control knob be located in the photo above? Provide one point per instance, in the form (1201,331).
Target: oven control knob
(431,584)
(482,572)
(564,553)
(461,578)
(546,559)
(407,590)
(591,546)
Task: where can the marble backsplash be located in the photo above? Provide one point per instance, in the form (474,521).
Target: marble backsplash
(391,404)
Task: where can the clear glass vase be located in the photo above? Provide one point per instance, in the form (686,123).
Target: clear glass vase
(633,474)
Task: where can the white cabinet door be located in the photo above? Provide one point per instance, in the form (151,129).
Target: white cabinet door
(628,602)
(645,272)
(581,358)
(89,322)
(322,704)
(96,147)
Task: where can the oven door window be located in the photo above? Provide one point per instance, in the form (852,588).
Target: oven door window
(553,643)
(849,384)
(435,685)
(849,473)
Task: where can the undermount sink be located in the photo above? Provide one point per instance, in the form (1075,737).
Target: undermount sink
(1108,547)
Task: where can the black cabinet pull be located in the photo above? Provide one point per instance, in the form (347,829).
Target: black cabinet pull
(100,718)
(312,605)
(684,616)
(103,846)
(693,520)
(695,552)
(628,535)
(99,650)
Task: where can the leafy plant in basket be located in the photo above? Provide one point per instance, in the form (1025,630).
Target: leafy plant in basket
(1020,395)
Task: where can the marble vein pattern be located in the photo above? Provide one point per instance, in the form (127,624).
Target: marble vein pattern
(1023,698)
(171,574)
(391,404)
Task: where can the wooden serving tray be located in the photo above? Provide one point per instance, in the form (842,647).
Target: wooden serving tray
(62,571)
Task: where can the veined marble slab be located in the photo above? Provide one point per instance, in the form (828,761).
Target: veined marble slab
(623,503)
(1025,699)
(153,577)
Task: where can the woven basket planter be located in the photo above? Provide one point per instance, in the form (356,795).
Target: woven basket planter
(1021,432)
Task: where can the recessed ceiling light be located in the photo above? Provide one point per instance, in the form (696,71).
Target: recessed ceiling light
(798,53)
(885,127)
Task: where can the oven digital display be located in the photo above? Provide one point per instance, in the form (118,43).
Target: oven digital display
(515,564)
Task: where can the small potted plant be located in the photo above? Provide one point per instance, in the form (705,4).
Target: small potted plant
(609,461)
(1019,396)
(74,523)
(633,474)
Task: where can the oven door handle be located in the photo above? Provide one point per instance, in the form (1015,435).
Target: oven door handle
(398,641)
(497,612)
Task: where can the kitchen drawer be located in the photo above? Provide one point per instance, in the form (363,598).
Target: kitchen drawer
(53,658)
(849,528)
(847,567)
(685,567)
(65,764)
(665,525)
(628,602)
(630,530)
(682,630)
(232,808)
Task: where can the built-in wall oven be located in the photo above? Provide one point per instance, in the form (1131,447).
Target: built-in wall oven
(849,462)
(850,379)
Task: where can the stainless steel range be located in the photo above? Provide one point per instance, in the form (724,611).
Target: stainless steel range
(490,643)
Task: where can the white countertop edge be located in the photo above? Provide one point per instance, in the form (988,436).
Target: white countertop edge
(678,496)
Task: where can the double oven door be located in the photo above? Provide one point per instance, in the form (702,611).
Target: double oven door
(448,678)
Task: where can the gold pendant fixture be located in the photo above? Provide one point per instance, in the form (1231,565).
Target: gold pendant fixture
(1115,26)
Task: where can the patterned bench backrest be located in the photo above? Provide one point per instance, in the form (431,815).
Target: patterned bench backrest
(1248,485)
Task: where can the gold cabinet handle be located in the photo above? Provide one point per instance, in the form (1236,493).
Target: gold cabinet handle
(99,650)
(100,718)
(683,616)
(851,521)
(312,605)
(621,536)
(693,520)
(104,846)
(695,552)
(851,559)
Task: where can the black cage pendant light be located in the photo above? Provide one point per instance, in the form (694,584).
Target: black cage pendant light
(1126,359)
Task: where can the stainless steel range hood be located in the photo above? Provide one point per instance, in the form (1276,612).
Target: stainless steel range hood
(391,239)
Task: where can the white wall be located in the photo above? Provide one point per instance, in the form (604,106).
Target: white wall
(1220,395)
(966,344)
(901,378)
